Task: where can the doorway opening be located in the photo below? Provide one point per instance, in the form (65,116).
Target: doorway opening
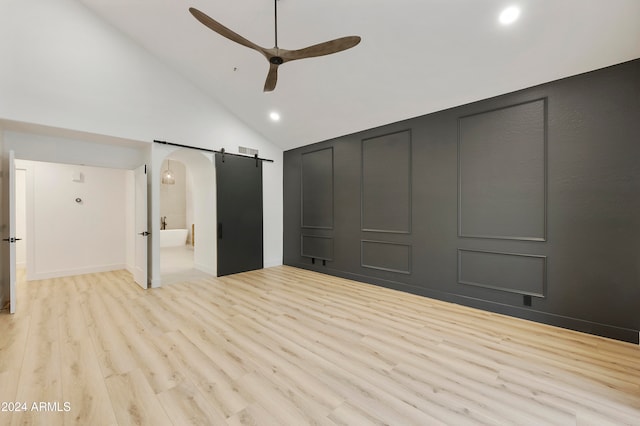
(72,219)
(187,217)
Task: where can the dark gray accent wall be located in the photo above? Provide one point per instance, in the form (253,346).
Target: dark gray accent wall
(317,247)
(530,195)
(317,189)
(386,180)
(386,256)
(517,273)
(502,172)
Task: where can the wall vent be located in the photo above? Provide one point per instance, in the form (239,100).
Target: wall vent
(247,151)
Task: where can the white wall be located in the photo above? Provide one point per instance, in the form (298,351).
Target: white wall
(67,237)
(67,150)
(63,67)
(204,215)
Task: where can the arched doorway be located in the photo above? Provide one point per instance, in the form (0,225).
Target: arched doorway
(188,205)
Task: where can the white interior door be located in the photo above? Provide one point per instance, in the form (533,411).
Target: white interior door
(9,235)
(142,232)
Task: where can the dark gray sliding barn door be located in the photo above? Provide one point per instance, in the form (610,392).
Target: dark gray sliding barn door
(239,210)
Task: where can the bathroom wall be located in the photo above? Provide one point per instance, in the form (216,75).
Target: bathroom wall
(173,198)
(70,237)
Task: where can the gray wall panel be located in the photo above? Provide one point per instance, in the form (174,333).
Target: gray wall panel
(317,189)
(512,272)
(392,257)
(386,183)
(318,247)
(502,172)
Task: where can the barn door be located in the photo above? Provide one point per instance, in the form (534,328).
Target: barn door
(239,213)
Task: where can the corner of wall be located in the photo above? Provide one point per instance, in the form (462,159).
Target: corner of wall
(269,263)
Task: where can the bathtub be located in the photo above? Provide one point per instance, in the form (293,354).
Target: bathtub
(173,237)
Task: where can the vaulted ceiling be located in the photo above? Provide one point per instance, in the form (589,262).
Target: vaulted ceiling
(416,56)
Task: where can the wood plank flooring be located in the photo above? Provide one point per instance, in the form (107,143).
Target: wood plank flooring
(283,346)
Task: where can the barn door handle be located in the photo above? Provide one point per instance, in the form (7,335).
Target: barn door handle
(219,230)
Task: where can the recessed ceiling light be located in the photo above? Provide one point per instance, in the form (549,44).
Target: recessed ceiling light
(509,15)
(274,116)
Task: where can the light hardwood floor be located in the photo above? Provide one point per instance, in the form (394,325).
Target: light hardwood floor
(283,346)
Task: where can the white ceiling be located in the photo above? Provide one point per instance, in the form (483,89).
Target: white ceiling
(416,56)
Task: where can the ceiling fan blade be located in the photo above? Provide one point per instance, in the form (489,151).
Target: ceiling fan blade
(321,49)
(275,55)
(272,78)
(222,30)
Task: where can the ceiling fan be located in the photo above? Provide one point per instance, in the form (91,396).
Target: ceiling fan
(275,55)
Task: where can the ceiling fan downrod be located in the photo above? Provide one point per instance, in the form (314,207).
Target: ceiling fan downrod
(276,60)
(275,14)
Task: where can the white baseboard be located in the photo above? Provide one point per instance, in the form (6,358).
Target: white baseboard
(268,263)
(155,282)
(76,271)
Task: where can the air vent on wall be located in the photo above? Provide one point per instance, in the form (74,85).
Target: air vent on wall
(247,151)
